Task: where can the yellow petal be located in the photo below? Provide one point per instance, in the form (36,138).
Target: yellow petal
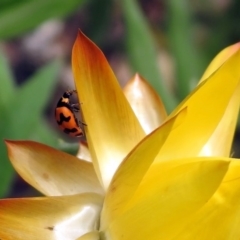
(83,152)
(220,217)
(94,235)
(145,103)
(50,171)
(132,170)
(219,60)
(52,218)
(206,106)
(221,140)
(112,128)
(164,198)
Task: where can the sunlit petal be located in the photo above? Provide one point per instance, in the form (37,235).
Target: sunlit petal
(112,128)
(131,172)
(206,106)
(220,59)
(50,171)
(220,213)
(145,103)
(221,140)
(164,198)
(51,218)
(83,152)
(94,235)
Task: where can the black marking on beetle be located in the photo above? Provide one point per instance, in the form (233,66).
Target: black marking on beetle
(63,119)
(73,130)
(63,104)
(70,130)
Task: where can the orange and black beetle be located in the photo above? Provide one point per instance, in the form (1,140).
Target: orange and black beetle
(65,117)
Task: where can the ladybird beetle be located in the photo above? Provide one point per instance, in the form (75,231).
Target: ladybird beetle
(65,117)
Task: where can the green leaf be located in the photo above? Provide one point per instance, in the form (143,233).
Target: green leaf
(30,99)
(6,3)
(22,117)
(189,62)
(6,94)
(99,24)
(6,171)
(142,50)
(45,134)
(7,81)
(22,16)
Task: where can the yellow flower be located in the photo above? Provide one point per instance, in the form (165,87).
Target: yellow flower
(152,177)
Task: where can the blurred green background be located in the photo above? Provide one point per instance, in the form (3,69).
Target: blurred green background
(169,42)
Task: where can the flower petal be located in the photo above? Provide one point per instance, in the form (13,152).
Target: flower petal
(94,235)
(132,170)
(112,128)
(50,171)
(220,142)
(206,107)
(219,60)
(52,218)
(158,206)
(83,152)
(220,213)
(145,103)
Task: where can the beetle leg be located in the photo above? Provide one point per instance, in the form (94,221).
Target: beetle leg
(82,123)
(75,107)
